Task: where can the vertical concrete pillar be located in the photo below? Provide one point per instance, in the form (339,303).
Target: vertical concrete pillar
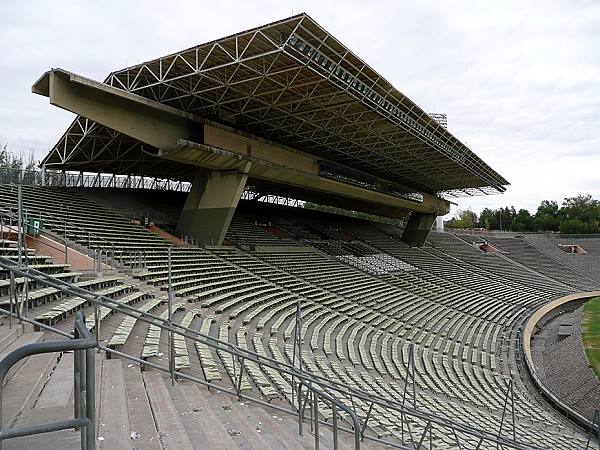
(211,203)
(418,227)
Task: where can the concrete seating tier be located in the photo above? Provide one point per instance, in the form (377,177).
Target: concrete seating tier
(586,264)
(521,251)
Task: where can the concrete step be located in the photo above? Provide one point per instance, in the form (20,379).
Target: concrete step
(204,429)
(113,429)
(171,430)
(58,391)
(289,426)
(274,436)
(141,420)
(244,435)
(58,440)
(9,335)
(25,339)
(248,424)
(21,391)
(275,424)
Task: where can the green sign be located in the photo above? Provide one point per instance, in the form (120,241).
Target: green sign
(34,226)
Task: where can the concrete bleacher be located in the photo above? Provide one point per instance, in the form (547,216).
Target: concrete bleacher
(365,297)
(524,253)
(587,264)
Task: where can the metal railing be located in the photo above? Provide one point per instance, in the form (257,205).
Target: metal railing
(39,177)
(508,233)
(312,398)
(320,387)
(84,385)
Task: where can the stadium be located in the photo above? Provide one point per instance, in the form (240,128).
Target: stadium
(235,246)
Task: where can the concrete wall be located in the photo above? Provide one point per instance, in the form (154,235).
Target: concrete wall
(528,333)
(48,247)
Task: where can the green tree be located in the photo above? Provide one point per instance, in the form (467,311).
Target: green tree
(465,219)
(486,219)
(522,221)
(546,217)
(583,208)
(574,226)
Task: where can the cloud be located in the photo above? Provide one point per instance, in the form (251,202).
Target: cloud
(518,80)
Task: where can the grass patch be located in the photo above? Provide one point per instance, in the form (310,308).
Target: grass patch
(591,333)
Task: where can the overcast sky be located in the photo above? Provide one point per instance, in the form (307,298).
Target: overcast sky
(520,81)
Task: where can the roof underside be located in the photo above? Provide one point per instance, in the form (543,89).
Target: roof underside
(292,83)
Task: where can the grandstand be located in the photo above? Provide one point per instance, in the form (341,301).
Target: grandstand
(207,318)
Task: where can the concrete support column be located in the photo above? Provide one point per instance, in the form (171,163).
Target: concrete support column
(418,227)
(211,203)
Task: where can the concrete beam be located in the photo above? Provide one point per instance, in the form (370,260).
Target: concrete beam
(189,139)
(292,168)
(211,203)
(148,121)
(418,227)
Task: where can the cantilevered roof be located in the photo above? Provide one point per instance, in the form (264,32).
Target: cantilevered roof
(293,83)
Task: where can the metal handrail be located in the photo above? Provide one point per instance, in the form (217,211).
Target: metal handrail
(335,404)
(37,177)
(84,380)
(242,354)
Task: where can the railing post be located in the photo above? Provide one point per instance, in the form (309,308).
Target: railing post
(170,313)
(300,411)
(26,290)
(11,295)
(97,323)
(316,418)
(82,393)
(66,253)
(335,426)
(90,398)
(76,378)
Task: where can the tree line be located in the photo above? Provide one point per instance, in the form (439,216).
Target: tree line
(576,215)
(11,163)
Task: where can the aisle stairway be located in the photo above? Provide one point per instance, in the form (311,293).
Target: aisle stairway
(137,410)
